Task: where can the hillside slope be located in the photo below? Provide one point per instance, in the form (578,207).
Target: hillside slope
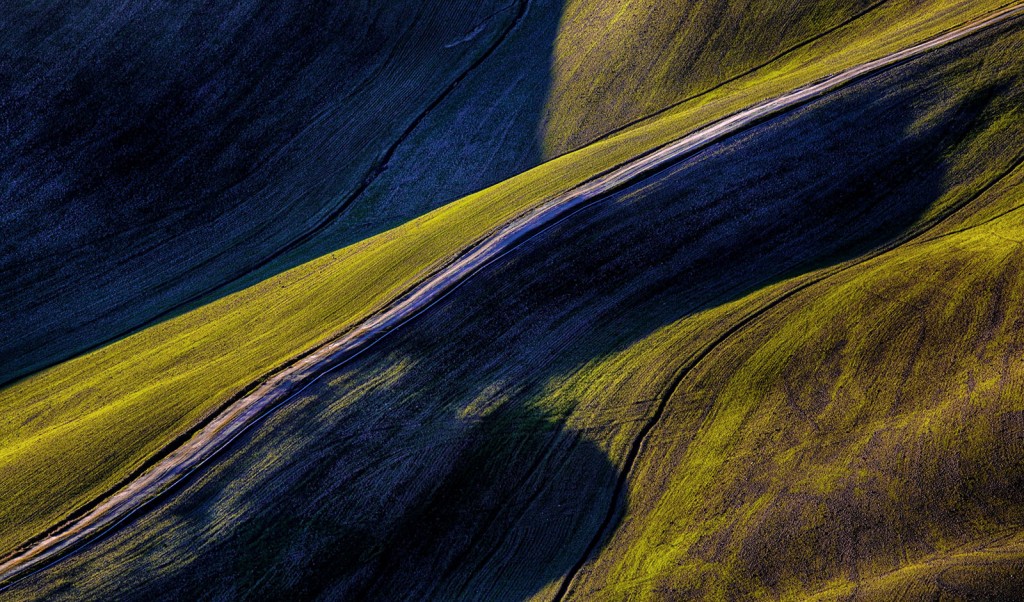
(613,63)
(157,150)
(72,432)
(765,371)
(150,170)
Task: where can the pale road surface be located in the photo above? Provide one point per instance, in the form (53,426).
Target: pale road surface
(286,384)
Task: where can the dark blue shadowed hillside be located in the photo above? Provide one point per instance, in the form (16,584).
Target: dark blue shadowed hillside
(430,468)
(163,155)
(156,151)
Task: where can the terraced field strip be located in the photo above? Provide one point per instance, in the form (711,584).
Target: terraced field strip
(291,381)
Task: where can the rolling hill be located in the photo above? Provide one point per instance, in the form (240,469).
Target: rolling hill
(783,366)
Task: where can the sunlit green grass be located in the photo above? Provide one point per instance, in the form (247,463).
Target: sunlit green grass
(602,75)
(613,63)
(907,425)
(70,432)
(886,397)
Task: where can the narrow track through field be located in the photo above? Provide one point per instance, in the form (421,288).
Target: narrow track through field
(200,447)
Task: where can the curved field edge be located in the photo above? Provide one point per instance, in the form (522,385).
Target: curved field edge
(602,403)
(859,439)
(103,414)
(890,465)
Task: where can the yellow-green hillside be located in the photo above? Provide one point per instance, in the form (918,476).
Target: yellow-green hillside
(785,367)
(72,431)
(868,424)
(616,62)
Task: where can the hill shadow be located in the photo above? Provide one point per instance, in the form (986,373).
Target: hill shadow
(149,170)
(440,465)
(816,188)
(415,492)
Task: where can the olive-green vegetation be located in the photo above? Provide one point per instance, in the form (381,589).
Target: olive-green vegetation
(853,430)
(72,431)
(614,63)
(151,169)
(867,423)
(785,367)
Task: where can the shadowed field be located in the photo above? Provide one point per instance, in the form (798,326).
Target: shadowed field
(157,151)
(144,175)
(145,178)
(765,371)
(71,432)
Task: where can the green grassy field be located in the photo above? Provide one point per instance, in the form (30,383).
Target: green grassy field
(868,423)
(613,63)
(783,368)
(273,155)
(70,432)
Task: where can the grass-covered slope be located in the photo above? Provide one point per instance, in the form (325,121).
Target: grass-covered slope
(866,424)
(870,424)
(614,63)
(148,169)
(71,432)
(766,371)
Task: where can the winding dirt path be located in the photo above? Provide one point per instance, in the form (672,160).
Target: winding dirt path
(245,412)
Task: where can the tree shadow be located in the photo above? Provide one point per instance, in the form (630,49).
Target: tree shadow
(438,465)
